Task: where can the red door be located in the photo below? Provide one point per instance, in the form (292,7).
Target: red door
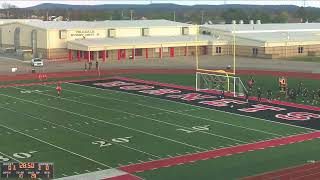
(204,50)
(122,53)
(171,52)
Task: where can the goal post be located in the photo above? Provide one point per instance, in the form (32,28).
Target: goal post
(219,82)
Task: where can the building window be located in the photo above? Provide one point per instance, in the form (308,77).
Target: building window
(218,50)
(138,52)
(111,33)
(185,31)
(300,50)
(145,31)
(255,51)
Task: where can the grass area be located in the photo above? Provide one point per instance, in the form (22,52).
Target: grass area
(305,58)
(241,165)
(91,129)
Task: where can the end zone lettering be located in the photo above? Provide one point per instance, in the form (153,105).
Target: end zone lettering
(290,115)
(298,116)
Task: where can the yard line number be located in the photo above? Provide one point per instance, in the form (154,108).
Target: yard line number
(195,129)
(19,155)
(30,91)
(103,144)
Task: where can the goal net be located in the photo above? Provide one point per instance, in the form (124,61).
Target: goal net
(232,84)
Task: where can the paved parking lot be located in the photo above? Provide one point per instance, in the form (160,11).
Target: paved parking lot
(212,62)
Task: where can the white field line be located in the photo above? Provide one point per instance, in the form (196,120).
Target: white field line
(178,112)
(154,114)
(106,122)
(83,133)
(55,146)
(137,115)
(177,102)
(3,154)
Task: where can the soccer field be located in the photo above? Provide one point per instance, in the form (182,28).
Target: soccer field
(90,129)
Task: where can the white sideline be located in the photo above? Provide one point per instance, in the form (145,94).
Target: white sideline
(206,119)
(164,122)
(97,175)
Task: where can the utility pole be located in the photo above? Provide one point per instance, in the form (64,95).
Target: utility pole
(174,15)
(131,12)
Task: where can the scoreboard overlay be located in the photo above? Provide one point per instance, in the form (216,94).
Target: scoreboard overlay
(27,170)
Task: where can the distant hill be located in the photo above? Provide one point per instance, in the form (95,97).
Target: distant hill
(163,6)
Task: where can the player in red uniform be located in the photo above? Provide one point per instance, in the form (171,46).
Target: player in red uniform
(59,89)
(250,83)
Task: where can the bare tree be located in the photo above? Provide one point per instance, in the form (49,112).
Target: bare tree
(8,6)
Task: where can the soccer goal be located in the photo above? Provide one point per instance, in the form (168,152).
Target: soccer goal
(219,82)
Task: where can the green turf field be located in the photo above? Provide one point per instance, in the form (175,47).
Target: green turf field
(91,129)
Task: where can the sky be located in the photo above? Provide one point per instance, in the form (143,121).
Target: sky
(26,3)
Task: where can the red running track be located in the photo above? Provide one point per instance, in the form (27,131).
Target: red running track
(309,171)
(217,153)
(148,71)
(124,177)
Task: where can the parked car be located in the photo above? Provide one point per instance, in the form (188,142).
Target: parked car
(37,62)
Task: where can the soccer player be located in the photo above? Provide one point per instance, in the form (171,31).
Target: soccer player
(269,94)
(300,88)
(246,95)
(259,93)
(250,83)
(59,89)
(222,92)
(318,95)
(305,94)
(293,94)
(314,97)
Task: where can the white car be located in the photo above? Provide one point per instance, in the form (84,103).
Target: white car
(37,62)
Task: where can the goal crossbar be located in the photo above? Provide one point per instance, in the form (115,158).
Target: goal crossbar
(215,71)
(219,82)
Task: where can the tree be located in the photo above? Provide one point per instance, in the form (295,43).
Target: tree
(301,13)
(281,18)
(8,6)
(234,14)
